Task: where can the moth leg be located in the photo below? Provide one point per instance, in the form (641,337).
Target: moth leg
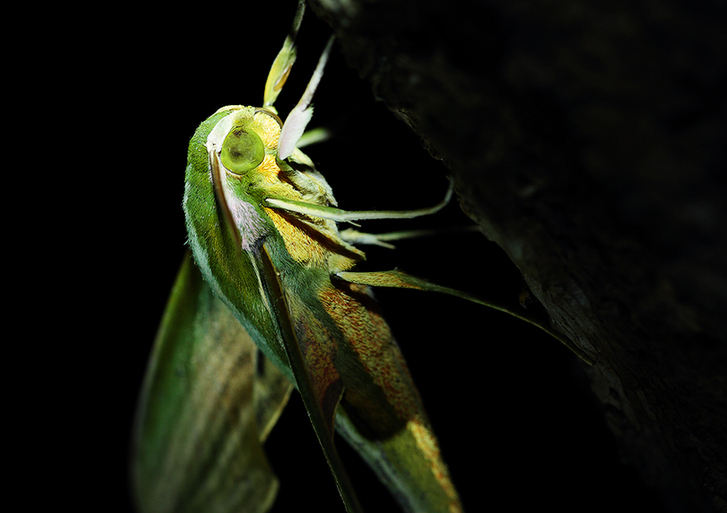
(382,239)
(356,237)
(399,279)
(283,62)
(337,214)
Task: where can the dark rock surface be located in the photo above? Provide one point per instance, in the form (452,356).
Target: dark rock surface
(589,141)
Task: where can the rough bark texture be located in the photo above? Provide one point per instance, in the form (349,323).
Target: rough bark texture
(588,140)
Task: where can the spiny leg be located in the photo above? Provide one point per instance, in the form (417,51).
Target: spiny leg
(382,239)
(339,215)
(399,279)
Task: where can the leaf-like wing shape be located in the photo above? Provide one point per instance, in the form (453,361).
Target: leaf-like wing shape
(197,439)
(310,352)
(381,414)
(271,393)
(338,342)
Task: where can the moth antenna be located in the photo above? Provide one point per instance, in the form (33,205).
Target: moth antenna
(283,62)
(301,114)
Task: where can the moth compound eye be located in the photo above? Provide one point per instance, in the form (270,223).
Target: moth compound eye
(242,150)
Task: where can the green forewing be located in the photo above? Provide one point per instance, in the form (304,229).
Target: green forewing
(204,411)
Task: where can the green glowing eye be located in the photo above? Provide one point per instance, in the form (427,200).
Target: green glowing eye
(242,150)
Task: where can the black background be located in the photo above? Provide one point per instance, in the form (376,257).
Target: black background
(512,409)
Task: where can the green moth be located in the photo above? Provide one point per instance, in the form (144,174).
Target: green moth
(267,302)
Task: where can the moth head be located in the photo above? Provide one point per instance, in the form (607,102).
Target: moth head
(244,139)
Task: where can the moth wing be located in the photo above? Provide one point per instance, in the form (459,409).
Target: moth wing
(313,369)
(380,413)
(197,436)
(271,390)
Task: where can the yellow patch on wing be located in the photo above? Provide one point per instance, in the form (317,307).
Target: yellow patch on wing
(427,443)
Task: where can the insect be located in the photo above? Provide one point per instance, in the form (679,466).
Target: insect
(268,301)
